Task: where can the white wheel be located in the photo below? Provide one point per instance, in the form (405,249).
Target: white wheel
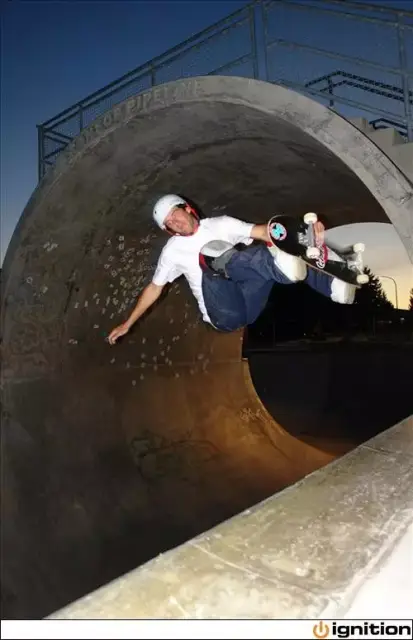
(362,278)
(312,252)
(359,247)
(310,218)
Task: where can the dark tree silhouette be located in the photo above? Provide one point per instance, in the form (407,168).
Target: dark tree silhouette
(297,312)
(372,296)
(411,300)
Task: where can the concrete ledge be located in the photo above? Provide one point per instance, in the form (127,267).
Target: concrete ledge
(320,548)
(402,156)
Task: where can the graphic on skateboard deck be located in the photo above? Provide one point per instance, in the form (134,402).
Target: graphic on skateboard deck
(304,237)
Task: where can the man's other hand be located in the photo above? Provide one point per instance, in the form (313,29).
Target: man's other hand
(117,332)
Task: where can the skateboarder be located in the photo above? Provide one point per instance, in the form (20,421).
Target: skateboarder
(231,285)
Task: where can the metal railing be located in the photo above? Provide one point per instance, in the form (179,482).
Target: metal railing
(203,54)
(385,123)
(372,46)
(328,83)
(307,45)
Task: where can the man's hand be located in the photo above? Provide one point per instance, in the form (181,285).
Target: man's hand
(260,232)
(147,298)
(117,332)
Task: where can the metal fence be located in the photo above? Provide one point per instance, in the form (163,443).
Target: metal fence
(355,58)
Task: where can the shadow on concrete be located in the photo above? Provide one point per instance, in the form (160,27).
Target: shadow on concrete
(337,393)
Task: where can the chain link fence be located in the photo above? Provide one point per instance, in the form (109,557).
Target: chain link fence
(354,58)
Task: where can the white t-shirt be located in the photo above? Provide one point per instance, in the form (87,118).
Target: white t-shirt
(180,255)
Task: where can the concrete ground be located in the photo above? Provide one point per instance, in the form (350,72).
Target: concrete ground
(389,590)
(337,544)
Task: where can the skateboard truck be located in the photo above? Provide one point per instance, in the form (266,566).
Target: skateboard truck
(355,262)
(312,251)
(352,255)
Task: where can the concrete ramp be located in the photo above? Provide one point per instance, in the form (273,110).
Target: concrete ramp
(328,547)
(111,455)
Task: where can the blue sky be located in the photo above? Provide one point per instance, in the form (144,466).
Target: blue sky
(55,53)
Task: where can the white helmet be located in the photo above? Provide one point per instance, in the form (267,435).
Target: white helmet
(163,206)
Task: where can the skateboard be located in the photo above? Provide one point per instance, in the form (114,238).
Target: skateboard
(304,237)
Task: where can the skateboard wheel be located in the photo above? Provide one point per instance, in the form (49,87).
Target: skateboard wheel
(310,218)
(362,278)
(359,247)
(312,252)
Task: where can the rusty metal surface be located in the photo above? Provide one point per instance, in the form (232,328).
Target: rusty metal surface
(111,455)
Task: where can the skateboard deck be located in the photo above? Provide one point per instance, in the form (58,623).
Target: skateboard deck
(304,237)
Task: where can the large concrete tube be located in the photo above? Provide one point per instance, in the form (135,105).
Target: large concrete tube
(113,454)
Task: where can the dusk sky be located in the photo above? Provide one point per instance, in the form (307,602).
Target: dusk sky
(56,53)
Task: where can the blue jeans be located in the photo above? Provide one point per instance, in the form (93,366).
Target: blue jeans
(235,303)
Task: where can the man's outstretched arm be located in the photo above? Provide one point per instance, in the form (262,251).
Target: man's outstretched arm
(147,298)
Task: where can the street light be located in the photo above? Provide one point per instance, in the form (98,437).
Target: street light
(395,288)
